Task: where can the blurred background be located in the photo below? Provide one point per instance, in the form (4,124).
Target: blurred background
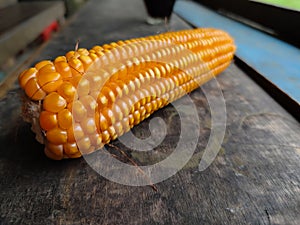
(26,24)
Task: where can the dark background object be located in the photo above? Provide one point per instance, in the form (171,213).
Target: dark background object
(284,22)
(159,9)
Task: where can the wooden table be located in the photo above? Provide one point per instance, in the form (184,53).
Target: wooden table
(255,179)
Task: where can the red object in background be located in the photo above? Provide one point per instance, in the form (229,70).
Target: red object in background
(48,30)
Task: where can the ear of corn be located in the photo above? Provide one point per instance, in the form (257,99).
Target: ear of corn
(90,97)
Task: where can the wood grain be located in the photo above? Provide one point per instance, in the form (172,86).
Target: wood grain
(255,178)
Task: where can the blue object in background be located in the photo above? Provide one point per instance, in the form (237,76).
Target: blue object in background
(278,61)
(2,75)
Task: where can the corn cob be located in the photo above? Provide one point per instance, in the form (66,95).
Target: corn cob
(90,97)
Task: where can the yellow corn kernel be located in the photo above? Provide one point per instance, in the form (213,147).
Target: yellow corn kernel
(48,120)
(33,90)
(70,148)
(63,68)
(53,102)
(26,75)
(57,136)
(65,119)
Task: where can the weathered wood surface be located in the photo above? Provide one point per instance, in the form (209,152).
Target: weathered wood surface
(255,178)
